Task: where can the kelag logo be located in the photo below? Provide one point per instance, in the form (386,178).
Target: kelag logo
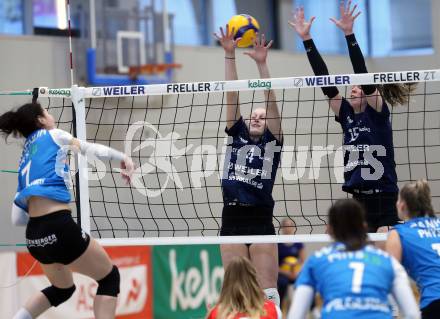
(259,84)
(61,92)
(187,279)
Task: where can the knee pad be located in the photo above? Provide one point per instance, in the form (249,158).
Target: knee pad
(57,296)
(109,285)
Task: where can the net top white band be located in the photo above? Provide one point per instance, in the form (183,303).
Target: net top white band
(306,238)
(251,84)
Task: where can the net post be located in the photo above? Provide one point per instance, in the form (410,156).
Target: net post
(77,95)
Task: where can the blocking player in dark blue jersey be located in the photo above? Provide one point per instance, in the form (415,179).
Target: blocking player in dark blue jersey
(353,278)
(42,202)
(416,244)
(369,167)
(250,169)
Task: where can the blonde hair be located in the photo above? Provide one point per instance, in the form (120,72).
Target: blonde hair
(241,292)
(417,197)
(396,94)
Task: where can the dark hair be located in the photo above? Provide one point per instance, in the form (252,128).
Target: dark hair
(21,122)
(347,221)
(396,94)
(417,197)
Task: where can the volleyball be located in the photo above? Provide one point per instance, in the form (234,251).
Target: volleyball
(245,27)
(291,264)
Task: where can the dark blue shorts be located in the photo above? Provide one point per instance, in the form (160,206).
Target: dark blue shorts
(380,209)
(240,220)
(56,238)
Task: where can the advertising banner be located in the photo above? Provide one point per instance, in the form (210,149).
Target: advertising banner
(187,280)
(135,299)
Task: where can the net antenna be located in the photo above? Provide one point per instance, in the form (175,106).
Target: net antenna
(176,197)
(142,28)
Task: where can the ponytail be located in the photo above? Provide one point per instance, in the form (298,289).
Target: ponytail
(396,94)
(8,123)
(22,122)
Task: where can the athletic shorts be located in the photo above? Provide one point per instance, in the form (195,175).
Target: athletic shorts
(380,209)
(56,238)
(432,310)
(240,220)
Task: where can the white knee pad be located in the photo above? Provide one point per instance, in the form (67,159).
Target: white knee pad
(272,295)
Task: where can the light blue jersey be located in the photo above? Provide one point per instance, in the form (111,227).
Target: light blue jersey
(420,239)
(43,169)
(352,284)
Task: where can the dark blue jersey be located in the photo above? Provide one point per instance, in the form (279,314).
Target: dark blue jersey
(420,240)
(250,167)
(368,149)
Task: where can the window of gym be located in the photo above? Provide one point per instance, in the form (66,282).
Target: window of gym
(385,27)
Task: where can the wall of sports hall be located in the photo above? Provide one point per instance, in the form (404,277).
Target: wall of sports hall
(31,61)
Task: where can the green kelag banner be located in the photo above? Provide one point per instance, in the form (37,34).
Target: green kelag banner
(186,279)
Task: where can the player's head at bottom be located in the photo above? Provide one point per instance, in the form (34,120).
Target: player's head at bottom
(347,224)
(415,201)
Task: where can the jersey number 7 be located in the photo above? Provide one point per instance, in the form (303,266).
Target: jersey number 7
(26,171)
(358,274)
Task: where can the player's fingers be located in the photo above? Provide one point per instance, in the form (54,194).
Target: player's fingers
(222,32)
(341,8)
(348,7)
(357,15)
(353,10)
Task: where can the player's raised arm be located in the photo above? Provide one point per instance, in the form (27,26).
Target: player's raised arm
(302,28)
(259,55)
(348,15)
(226,39)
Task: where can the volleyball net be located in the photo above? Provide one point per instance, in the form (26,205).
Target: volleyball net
(175,134)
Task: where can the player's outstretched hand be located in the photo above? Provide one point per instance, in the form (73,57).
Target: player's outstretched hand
(227,40)
(259,51)
(346,21)
(300,25)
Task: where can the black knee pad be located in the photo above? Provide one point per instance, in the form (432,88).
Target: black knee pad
(109,285)
(57,296)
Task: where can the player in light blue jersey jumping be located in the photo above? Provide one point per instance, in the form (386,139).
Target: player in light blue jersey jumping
(353,278)
(416,244)
(42,202)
